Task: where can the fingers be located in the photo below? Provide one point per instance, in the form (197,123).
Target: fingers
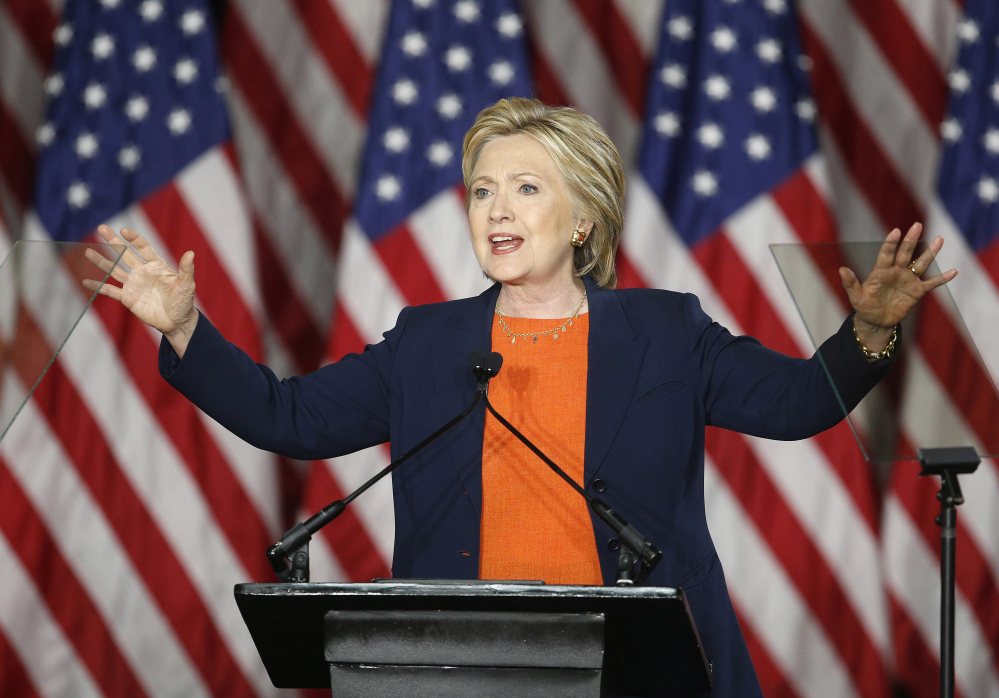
(939,280)
(106,265)
(886,255)
(851,284)
(112,292)
(905,249)
(141,245)
(129,255)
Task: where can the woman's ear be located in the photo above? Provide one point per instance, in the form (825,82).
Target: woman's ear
(585,226)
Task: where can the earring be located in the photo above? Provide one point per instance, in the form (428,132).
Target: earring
(578,238)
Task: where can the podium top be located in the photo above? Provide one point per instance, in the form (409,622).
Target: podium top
(42,299)
(939,394)
(651,643)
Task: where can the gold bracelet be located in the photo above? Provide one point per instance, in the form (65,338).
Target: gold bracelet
(876,355)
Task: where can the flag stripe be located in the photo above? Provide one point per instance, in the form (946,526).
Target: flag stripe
(619,46)
(36,23)
(14,679)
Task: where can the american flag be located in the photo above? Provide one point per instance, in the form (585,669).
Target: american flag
(307,151)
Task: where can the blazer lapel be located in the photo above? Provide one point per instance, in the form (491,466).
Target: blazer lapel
(468,329)
(615,360)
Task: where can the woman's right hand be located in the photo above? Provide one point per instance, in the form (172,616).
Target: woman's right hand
(156,294)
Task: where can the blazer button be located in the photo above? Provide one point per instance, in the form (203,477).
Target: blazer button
(613,544)
(599,485)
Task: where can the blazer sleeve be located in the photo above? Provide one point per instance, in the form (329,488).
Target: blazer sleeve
(749,388)
(339,409)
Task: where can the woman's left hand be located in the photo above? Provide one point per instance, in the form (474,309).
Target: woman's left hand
(893,287)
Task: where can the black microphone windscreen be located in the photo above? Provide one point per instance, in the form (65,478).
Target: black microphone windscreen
(485,363)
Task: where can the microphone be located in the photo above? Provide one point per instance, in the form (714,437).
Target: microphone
(289,557)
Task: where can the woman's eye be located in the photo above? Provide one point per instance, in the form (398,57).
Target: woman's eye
(481,193)
(528,188)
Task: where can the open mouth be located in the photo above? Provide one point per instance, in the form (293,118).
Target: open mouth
(504,244)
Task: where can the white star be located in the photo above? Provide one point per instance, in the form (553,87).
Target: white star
(86,145)
(192,22)
(510,25)
(705,183)
(758,147)
(673,75)
(764,99)
(711,136)
(967,31)
(458,58)
(680,28)
(959,80)
(951,130)
(994,90)
(387,188)
(423,4)
(179,121)
(129,158)
(501,73)
(102,46)
(440,153)
(723,39)
(94,96)
(414,44)
(466,11)
(185,71)
(78,195)
(150,10)
(45,134)
(449,106)
(769,51)
(144,58)
(54,84)
(396,139)
(991,140)
(63,34)
(777,7)
(137,108)
(805,109)
(405,92)
(988,190)
(110,4)
(717,87)
(667,124)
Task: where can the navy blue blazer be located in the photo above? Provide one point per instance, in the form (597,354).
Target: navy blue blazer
(659,371)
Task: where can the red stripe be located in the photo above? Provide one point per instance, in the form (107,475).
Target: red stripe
(627,274)
(14,679)
(621,51)
(803,562)
(347,536)
(869,166)
(17,158)
(168,212)
(917,666)
(772,679)
(409,269)
(336,45)
(67,600)
(344,337)
(262,90)
(164,575)
(904,50)
(37,23)
(988,258)
(547,86)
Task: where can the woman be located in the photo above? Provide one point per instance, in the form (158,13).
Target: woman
(616,386)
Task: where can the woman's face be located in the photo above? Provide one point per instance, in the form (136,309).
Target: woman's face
(519,214)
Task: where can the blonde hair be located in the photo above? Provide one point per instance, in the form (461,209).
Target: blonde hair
(585,157)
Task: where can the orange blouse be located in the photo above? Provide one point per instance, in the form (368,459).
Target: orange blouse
(533,525)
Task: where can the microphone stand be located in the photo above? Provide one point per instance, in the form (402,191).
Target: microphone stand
(289,557)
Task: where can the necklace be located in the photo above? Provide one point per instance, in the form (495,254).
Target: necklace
(534,335)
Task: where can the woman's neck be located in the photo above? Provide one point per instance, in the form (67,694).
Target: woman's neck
(548,302)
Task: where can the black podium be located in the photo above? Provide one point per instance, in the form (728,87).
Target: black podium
(453,638)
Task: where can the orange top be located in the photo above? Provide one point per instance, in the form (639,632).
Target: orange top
(534,526)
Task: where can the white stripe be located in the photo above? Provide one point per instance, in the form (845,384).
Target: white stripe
(644,19)
(934,22)
(323,111)
(91,548)
(286,220)
(886,108)
(366,290)
(440,228)
(212,194)
(769,600)
(568,46)
(150,462)
(21,84)
(374,508)
(49,660)
(366,23)
(913,576)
